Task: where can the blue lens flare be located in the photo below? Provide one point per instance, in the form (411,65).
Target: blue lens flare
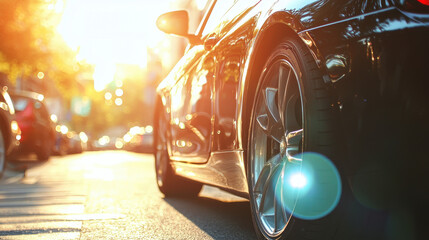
(311,189)
(298,180)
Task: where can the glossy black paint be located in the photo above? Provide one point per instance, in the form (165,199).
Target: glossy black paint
(373,55)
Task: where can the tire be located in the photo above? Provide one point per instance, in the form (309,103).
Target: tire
(2,154)
(291,116)
(168,182)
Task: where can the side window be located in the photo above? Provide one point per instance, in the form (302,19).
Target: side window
(220,8)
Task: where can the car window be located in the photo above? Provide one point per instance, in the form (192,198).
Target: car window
(20,104)
(220,8)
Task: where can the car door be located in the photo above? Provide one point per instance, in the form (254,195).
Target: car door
(233,36)
(192,96)
(181,134)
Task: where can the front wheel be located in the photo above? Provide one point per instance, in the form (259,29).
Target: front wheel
(291,117)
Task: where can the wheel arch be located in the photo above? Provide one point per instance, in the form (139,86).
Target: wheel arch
(272,33)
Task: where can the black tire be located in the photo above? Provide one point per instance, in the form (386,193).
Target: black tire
(168,182)
(2,154)
(287,110)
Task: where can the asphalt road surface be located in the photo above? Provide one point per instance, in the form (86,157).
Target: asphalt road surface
(110,195)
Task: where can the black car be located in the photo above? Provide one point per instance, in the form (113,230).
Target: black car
(316,111)
(9,130)
(37,129)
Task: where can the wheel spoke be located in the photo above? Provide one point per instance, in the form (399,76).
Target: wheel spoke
(262,180)
(270,120)
(283,86)
(293,141)
(266,186)
(279,210)
(292,117)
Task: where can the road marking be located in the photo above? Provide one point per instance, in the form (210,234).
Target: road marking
(58,218)
(46,236)
(41,211)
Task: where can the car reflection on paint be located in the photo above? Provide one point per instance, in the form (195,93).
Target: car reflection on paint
(316,111)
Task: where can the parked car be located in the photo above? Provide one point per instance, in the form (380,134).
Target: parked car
(139,139)
(62,142)
(316,111)
(10,134)
(38,131)
(76,145)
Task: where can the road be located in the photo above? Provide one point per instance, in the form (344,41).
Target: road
(110,195)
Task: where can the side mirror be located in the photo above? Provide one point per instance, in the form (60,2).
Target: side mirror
(177,23)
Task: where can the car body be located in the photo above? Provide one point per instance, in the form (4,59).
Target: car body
(37,129)
(62,142)
(263,83)
(76,145)
(9,130)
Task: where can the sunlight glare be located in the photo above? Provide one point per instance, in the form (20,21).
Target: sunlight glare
(108,96)
(104,73)
(118,102)
(106,33)
(40,75)
(201,4)
(119,92)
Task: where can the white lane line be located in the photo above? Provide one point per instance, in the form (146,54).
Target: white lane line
(47,236)
(33,196)
(36,203)
(41,226)
(42,210)
(57,218)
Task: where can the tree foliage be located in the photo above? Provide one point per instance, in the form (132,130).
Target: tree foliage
(26,26)
(30,43)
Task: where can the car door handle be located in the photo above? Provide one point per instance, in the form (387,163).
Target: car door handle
(210,42)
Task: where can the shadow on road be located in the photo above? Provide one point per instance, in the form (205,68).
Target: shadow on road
(220,220)
(16,167)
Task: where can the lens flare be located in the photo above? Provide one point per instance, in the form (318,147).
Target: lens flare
(312,189)
(297,180)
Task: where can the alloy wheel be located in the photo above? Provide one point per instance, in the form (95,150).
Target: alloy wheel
(276,141)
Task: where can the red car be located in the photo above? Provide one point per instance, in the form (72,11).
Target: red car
(37,129)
